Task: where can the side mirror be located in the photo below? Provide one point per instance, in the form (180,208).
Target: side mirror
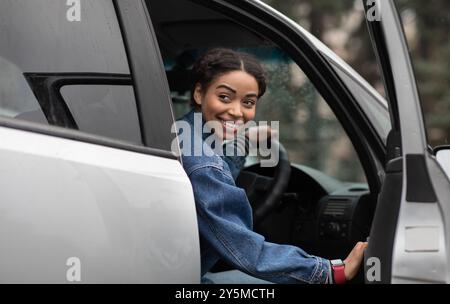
(443,158)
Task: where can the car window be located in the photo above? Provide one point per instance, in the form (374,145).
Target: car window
(374,106)
(426,28)
(46,37)
(98,109)
(341,26)
(309,129)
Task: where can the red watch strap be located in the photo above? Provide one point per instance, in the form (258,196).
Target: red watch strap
(339,274)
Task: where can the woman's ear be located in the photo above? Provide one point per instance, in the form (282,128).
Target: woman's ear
(198,95)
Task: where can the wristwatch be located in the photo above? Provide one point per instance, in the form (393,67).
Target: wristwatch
(338,267)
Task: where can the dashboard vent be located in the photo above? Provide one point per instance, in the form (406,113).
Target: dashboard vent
(337,207)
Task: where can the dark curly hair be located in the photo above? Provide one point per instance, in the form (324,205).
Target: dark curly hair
(219,61)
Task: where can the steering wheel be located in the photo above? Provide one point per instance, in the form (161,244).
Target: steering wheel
(266,192)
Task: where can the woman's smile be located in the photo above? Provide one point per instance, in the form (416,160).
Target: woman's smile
(231,126)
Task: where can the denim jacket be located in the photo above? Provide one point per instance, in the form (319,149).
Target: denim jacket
(224,219)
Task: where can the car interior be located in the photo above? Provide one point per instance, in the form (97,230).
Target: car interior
(293,203)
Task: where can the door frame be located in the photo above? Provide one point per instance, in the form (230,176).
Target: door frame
(150,82)
(419,246)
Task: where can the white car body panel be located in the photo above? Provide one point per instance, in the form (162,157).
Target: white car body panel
(443,158)
(428,265)
(128,217)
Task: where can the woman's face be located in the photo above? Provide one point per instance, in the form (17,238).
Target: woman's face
(229,100)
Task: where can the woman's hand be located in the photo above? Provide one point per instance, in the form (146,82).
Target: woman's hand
(354,259)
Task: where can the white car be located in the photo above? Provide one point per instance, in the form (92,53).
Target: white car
(91,189)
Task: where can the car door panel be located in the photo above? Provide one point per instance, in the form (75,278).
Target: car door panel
(424,190)
(443,158)
(128,217)
(122,208)
(385,219)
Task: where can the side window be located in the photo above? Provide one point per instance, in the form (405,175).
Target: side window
(108,110)
(341,26)
(308,128)
(64,71)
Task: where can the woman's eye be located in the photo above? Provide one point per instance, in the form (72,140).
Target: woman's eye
(249,103)
(224,98)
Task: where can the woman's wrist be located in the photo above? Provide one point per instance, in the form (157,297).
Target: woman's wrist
(338,271)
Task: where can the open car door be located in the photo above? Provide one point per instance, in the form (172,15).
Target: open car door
(408,235)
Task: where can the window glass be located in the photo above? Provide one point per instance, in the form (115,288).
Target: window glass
(341,26)
(47,36)
(98,109)
(309,129)
(374,106)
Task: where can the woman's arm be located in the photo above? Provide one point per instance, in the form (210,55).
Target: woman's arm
(225,222)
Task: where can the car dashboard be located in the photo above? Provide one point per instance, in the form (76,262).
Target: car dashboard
(321,215)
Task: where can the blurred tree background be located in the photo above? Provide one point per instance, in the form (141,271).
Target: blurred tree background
(341,26)
(427,25)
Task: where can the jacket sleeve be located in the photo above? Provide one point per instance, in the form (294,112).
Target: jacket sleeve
(225,221)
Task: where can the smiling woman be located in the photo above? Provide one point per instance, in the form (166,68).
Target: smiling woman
(226,88)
